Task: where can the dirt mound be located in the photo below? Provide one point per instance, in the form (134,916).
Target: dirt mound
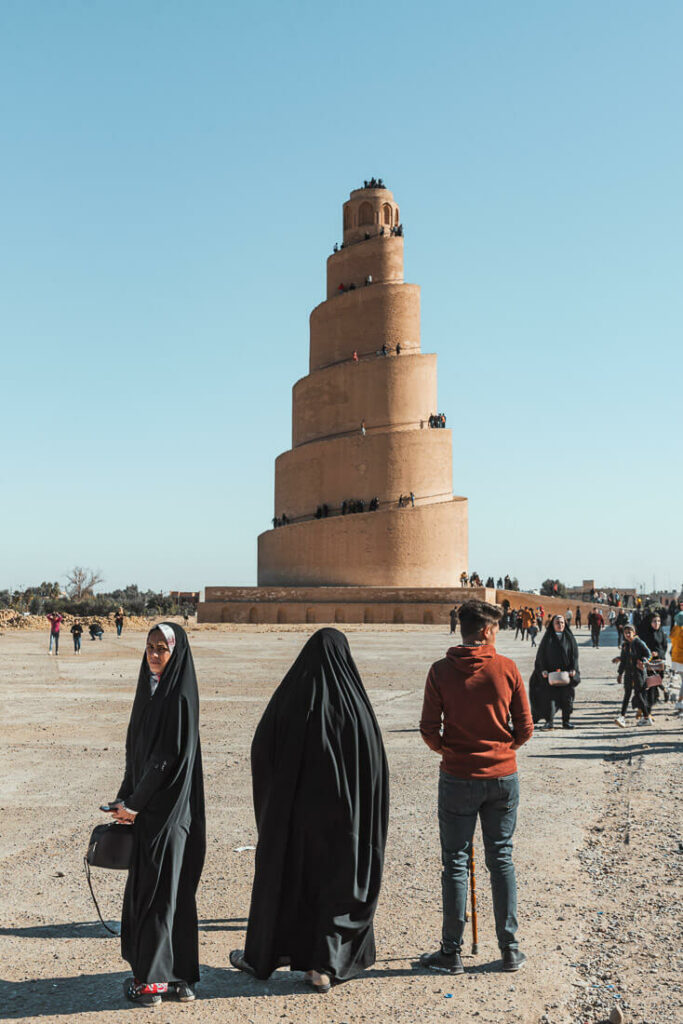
(10,619)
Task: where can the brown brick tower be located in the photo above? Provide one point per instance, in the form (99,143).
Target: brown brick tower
(361,433)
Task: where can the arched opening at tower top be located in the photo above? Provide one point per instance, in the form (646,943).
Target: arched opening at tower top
(365,214)
(386,214)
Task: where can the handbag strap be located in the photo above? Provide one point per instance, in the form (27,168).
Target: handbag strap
(94,898)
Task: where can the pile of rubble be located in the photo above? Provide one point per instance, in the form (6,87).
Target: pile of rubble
(11,619)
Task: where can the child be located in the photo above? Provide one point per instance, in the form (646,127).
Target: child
(632,672)
(533,633)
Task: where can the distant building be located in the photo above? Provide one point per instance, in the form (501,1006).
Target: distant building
(187,597)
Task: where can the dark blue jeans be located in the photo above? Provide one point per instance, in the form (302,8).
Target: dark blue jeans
(495,801)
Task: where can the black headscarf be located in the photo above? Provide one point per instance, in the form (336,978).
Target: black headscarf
(164,783)
(654,639)
(321,799)
(558,651)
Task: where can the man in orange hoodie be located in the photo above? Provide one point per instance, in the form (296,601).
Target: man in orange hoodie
(471,697)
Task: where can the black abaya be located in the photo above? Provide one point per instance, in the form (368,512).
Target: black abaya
(321,799)
(556,653)
(164,783)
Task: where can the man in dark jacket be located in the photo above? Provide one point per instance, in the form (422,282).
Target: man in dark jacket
(596,623)
(620,621)
(471,697)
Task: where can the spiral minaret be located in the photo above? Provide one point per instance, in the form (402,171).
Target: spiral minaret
(360,431)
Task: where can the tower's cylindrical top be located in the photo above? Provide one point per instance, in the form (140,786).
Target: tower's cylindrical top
(370,211)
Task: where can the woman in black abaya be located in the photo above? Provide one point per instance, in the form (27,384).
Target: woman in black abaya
(558,651)
(321,798)
(162,797)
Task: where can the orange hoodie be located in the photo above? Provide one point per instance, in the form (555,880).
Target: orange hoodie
(470,697)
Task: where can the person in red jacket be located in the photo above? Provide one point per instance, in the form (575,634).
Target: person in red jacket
(476,715)
(596,624)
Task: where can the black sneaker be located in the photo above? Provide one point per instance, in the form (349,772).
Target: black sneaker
(447,963)
(513,959)
(567,725)
(184,993)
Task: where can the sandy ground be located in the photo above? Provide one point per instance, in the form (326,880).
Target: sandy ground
(599,846)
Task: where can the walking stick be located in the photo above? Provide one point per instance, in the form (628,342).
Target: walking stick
(473,896)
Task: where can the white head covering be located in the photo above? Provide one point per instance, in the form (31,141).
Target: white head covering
(169,637)
(168,634)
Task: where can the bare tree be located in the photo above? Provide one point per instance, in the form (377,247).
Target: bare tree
(81,582)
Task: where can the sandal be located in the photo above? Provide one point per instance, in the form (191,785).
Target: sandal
(323,985)
(237,960)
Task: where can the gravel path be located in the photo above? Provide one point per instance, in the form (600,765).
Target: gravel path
(599,846)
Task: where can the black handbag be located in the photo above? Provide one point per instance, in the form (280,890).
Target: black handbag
(110,846)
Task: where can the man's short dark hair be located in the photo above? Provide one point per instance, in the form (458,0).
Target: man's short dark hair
(475,615)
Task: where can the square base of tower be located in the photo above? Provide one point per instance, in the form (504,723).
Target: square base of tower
(335,605)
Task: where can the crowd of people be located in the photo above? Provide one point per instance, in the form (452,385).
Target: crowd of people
(474,580)
(94,628)
(395,231)
(437,421)
(320,784)
(612,598)
(349,506)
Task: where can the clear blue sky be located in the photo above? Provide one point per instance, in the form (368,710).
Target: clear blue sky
(172,180)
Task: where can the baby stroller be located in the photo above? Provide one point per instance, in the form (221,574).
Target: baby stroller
(655,672)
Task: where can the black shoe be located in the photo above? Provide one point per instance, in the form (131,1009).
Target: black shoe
(184,993)
(513,959)
(447,963)
(567,725)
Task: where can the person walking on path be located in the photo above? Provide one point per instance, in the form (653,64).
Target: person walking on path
(55,620)
(162,797)
(454,618)
(596,623)
(118,620)
(517,621)
(77,633)
(528,619)
(620,621)
(577,617)
(631,661)
(558,656)
(654,638)
(533,633)
(476,715)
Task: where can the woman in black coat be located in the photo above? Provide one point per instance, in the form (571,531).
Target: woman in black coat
(162,798)
(557,652)
(321,799)
(654,638)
